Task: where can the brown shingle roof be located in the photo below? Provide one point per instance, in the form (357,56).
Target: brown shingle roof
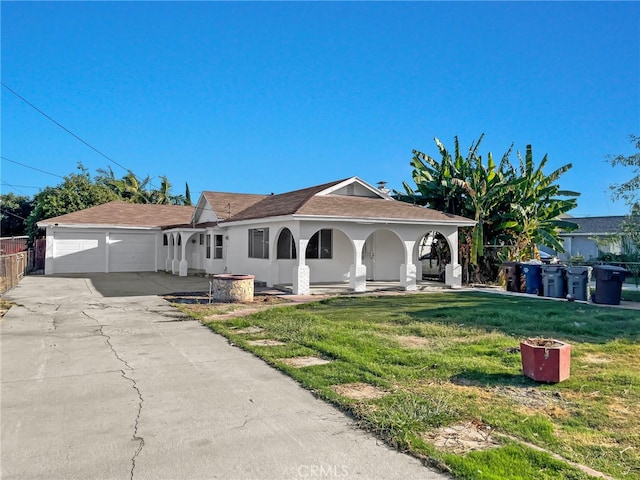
(283,204)
(229,204)
(126,215)
(373,208)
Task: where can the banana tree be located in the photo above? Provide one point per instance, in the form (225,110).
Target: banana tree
(535,207)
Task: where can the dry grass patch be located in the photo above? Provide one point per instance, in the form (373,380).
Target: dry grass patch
(359,391)
(300,362)
(413,341)
(249,330)
(462,438)
(266,342)
(596,359)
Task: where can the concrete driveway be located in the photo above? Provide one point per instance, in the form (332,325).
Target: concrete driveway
(101,378)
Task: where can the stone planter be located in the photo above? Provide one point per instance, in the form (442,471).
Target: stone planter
(232,288)
(545,359)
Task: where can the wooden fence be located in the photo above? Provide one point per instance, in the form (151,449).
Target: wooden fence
(15,266)
(12,269)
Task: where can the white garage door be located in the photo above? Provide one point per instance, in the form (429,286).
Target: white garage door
(79,252)
(132,252)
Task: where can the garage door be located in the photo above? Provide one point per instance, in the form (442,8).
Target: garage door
(79,252)
(132,252)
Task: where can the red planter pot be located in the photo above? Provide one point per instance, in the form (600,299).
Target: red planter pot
(545,360)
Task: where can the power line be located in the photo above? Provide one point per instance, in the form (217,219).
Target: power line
(19,191)
(4,212)
(32,168)
(63,127)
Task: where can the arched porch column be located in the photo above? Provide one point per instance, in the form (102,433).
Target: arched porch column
(168,260)
(301,273)
(453,271)
(408,268)
(358,271)
(175,263)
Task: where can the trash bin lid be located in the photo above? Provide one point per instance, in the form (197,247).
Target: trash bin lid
(530,267)
(578,270)
(552,268)
(611,268)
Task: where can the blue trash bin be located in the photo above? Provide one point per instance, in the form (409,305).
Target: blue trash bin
(533,278)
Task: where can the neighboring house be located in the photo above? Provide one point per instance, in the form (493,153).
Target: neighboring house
(581,242)
(343,231)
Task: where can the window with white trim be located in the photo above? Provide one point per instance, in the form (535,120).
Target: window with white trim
(208,246)
(320,244)
(258,243)
(217,246)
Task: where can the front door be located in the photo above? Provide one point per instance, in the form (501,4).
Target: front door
(368,258)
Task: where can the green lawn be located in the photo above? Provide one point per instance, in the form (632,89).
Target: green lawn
(451,360)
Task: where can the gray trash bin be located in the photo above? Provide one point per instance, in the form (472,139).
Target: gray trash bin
(553,281)
(609,279)
(578,280)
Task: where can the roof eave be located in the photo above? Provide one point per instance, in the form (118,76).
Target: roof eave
(97,225)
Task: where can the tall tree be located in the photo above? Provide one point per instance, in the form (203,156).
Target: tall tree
(76,192)
(14,211)
(187,194)
(628,191)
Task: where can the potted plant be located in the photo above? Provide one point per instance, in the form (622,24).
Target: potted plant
(545,359)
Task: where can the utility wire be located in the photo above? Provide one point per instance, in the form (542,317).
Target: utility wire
(32,168)
(4,212)
(63,127)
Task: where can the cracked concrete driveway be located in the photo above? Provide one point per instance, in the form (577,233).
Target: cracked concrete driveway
(101,378)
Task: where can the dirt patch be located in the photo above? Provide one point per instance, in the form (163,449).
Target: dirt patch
(528,397)
(463,438)
(412,341)
(359,391)
(300,362)
(267,342)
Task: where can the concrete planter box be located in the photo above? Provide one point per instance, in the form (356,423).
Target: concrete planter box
(232,288)
(545,359)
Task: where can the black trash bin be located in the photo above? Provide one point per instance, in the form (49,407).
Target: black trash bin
(553,281)
(609,279)
(578,280)
(512,276)
(533,278)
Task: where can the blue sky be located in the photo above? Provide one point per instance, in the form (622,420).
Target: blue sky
(270,97)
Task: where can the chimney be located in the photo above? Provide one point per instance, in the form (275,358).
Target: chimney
(382,186)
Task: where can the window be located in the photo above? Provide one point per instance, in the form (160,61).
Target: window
(258,243)
(202,239)
(321,244)
(286,245)
(165,240)
(208,247)
(180,239)
(217,251)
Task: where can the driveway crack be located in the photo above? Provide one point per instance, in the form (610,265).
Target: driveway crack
(134,385)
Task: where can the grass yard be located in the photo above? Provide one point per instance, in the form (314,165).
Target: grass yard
(439,375)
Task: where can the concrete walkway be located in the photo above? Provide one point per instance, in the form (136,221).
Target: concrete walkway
(103,379)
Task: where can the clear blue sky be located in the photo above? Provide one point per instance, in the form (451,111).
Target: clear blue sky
(271,97)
